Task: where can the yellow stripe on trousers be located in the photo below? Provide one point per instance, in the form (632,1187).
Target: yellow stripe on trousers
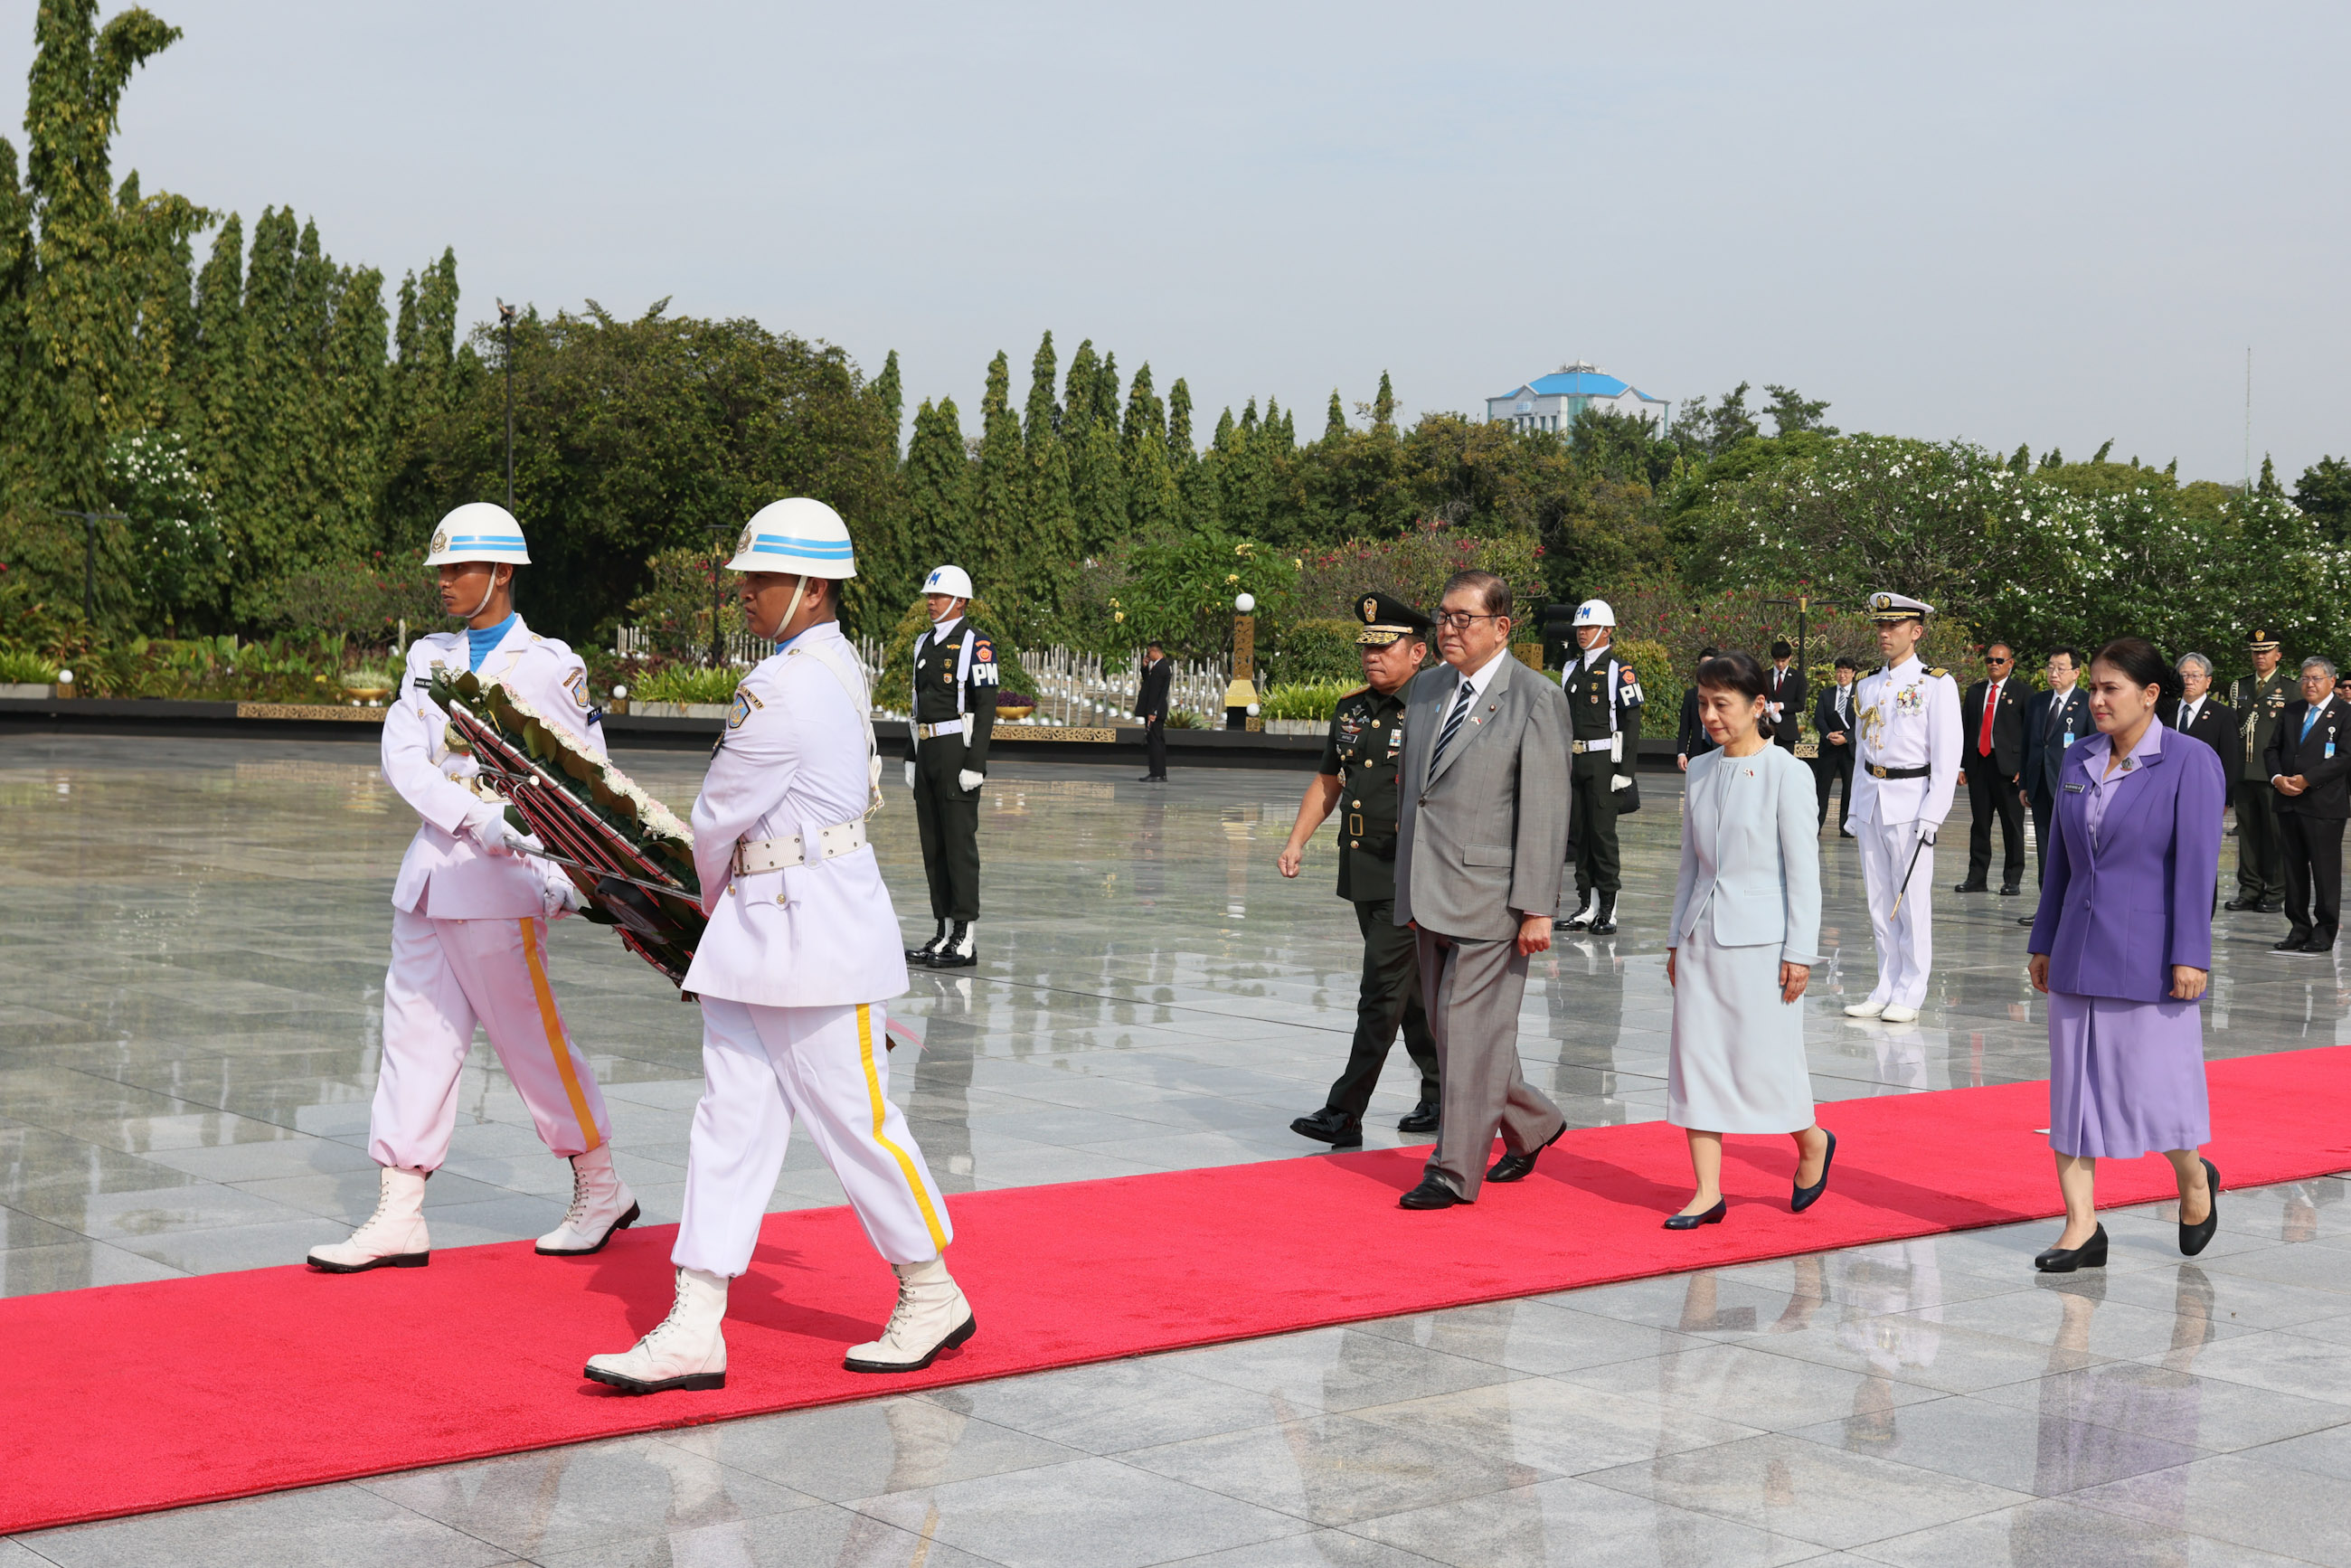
(556,1042)
(882,1109)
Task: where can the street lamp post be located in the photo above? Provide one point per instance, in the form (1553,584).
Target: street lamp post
(506,323)
(89,560)
(1240,696)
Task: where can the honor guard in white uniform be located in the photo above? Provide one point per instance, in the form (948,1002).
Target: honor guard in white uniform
(469,921)
(801,953)
(951,715)
(1905,767)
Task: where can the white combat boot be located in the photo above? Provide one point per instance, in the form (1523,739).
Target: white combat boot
(393,1236)
(602,1203)
(932,1316)
(686,1349)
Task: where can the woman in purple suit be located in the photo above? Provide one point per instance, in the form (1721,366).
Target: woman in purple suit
(2123,946)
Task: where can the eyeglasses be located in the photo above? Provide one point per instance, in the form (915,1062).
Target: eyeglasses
(1459,620)
(1996,659)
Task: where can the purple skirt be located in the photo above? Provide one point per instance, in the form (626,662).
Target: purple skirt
(2125,1079)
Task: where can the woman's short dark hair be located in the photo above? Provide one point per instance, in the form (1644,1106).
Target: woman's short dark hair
(1738,672)
(2140,665)
(1706,653)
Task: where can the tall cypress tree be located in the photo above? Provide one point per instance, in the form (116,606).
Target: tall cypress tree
(1042,417)
(1180,450)
(1078,394)
(1048,558)
(889,399)
(1145,414)
(938,485)
(1334,422)
(996,540)
(1384,408)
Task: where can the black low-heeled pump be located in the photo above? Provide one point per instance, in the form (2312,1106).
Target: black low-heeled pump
(2090,1254)
(2194,1238)
(1805,1197)
(1709,1216)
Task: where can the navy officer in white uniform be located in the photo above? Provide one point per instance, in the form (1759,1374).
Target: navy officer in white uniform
(801,953)
(1905,768)
(469,921)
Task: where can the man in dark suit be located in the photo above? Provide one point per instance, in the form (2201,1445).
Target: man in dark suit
(1151,707)
(1690,742)
(1991,720)
(2055,720)
(1784,691)
(2198,712)
(2309,760)
(1834,717)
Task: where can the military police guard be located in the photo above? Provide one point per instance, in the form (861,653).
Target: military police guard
(1904,772)
(469,921)
(1359,769)
(953,714)
(2259,701)
(1604,696)
(801,952)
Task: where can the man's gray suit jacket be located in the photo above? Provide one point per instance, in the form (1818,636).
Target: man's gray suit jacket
(1487,835)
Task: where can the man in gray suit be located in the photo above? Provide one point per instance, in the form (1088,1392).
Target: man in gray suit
(1477,871)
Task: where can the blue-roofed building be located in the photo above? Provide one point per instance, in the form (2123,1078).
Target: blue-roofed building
(1554,401)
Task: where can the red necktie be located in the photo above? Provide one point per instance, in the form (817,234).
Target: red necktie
(1991,704)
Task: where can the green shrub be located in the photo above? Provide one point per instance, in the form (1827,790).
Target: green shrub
(26,669)
(1312,700)
(687,683)
(1308,652)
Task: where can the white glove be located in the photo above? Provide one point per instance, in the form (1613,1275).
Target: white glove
(969,781)
(557,892)
(1618,782)
(488,826)
(910,773)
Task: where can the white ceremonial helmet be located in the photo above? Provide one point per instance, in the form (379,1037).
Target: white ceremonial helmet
(1594,612)
(951,580)
(803,537)
(479,530)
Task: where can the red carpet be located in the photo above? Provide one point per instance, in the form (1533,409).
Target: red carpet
(132,1398)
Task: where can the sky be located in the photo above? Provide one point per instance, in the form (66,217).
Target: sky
(2006,223)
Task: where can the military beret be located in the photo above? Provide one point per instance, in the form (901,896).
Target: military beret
(1385,620)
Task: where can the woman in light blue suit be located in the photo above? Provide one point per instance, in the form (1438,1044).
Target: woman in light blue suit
(1746,933)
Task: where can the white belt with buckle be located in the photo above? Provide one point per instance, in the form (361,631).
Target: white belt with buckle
(933,731)
(753,856)
(1581,747)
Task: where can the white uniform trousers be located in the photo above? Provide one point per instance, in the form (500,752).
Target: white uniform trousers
(445,976)
(1905,942)
(762,1066)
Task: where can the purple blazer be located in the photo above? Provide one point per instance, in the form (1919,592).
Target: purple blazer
(2116,921)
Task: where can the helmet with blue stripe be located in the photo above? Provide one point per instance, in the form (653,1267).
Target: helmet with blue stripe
(479,530)
(800,536)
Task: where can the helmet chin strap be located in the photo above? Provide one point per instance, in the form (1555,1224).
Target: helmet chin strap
(799,590)
(488,593)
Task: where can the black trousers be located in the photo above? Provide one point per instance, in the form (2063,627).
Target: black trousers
(1834,763)
(1155,746)
(1992,792)
(946,818)
(2314,865)
(1390,995)
(1591,823)
(2261,866)
(2044,815)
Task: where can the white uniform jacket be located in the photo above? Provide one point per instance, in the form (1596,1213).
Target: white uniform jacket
(464,882)
(793,761)
(1906,717)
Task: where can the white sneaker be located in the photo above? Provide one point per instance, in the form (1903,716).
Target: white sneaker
(686,1349)
(393,1236)
(931,1316)
(602,1203)
(1864,1009)
(1896,1013)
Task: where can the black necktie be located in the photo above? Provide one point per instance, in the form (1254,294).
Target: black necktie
(1452,727)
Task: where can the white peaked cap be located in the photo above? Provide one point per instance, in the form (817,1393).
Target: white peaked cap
(479,530)
(801,537)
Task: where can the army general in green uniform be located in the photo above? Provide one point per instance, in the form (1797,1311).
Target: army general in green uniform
(1359,776)
(2258,700)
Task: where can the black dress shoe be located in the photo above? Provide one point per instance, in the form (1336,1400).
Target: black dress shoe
(1972,887)
(1332,1126)
(2241,905)
(2090,1254)
(1422,1118)
(1431,1194)
(1847,833)
(1803,1198)
(2294,944)
(2271,906)
(2026,919)
(1518,1168)
(2194,1238)
(1692,1221)
(1603,920)
(2320,945)
(2010,890)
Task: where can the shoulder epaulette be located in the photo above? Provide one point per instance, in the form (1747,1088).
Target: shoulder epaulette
(1356,692)
(1938,673)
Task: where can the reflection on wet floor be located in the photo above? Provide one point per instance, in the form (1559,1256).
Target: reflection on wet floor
(195,934)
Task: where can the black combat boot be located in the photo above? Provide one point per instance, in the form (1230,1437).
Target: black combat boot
(1603,923)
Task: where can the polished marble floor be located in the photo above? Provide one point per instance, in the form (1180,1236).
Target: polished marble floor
(194,937)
